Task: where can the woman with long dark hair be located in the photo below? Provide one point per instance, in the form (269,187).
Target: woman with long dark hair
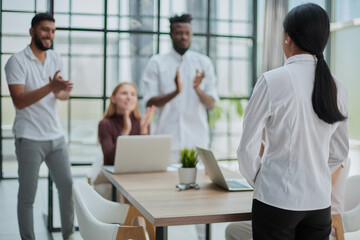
(303,109)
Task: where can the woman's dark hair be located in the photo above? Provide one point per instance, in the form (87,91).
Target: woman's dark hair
(308,26)
(41,17)
(184,18)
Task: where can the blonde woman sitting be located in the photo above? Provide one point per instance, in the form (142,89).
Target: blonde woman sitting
(121,118)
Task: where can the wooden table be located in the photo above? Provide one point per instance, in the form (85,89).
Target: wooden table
(157,198)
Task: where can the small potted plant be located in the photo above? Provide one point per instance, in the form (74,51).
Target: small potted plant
(187,172)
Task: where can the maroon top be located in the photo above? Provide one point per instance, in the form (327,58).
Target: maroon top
(109,130)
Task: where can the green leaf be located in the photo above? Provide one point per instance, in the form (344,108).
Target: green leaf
(189,158)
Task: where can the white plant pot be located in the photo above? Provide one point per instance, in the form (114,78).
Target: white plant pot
(187,175)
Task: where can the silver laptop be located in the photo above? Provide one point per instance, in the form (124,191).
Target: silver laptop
(217,177)
(141,153)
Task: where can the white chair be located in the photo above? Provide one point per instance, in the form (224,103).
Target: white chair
(99,218)
(347,222)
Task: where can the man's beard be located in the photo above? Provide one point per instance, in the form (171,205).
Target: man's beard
(39,44)
(179,49)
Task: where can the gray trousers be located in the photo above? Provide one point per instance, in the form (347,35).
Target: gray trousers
(30,154)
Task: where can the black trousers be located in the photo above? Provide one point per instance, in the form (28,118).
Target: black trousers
(271,223)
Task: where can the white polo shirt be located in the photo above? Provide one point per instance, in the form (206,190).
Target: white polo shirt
(40,120)
(301,149)
(184,117)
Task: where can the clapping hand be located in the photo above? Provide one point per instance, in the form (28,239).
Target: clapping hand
(178,81)
(146,119)
(58,84)
(198,78)
(127,123)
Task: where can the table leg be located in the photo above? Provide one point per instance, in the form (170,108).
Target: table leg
(113,193)
(161,233)
(50,204)
(208,232)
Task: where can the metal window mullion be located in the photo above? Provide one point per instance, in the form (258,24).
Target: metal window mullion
(69,72)
(117,68)
(105,54)
(254,47)
(208,28)
(158,27)
(1,97)
(228,116)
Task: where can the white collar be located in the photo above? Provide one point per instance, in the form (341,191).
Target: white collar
(301,58)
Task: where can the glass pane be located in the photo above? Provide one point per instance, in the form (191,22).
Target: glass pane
(18,5)
(41,5)
(87,43)
(134,15)
(346,10)
(14,43)
(240,80)
(198,44)
(113,7)
(16,23)
(226,127)
(232,17)
(222,71)
(294,3)
(118,70)
(10,165)
(113,23)
(223,9)
(4,85)
(118,44)
(229,27)
(165,43)
(87,6)
(231,47)
(87,75)
(128,55)
(123,69)
(63,107)
(8,116)
(61,6)
(230,55)
(125,44)
(62,20)
(61,42)
(66,66)
(85,116)
(80,21)
(345,52)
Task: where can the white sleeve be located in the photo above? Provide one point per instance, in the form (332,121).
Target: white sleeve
(257,112)
(150,81)
(339,146)
(210,81)
(14,71)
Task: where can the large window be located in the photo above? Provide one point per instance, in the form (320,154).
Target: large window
(104,42)
(345,56)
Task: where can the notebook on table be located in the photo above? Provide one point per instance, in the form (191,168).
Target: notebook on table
(217,177)
(141,153)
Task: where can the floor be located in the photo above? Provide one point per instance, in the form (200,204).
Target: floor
(8,216)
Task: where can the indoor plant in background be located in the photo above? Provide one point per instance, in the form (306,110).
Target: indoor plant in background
(188,160)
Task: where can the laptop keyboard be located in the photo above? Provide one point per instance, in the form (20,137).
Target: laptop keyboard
(235,184)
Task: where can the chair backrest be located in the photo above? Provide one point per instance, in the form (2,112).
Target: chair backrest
(102,209)
(352,193)
(90,227)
